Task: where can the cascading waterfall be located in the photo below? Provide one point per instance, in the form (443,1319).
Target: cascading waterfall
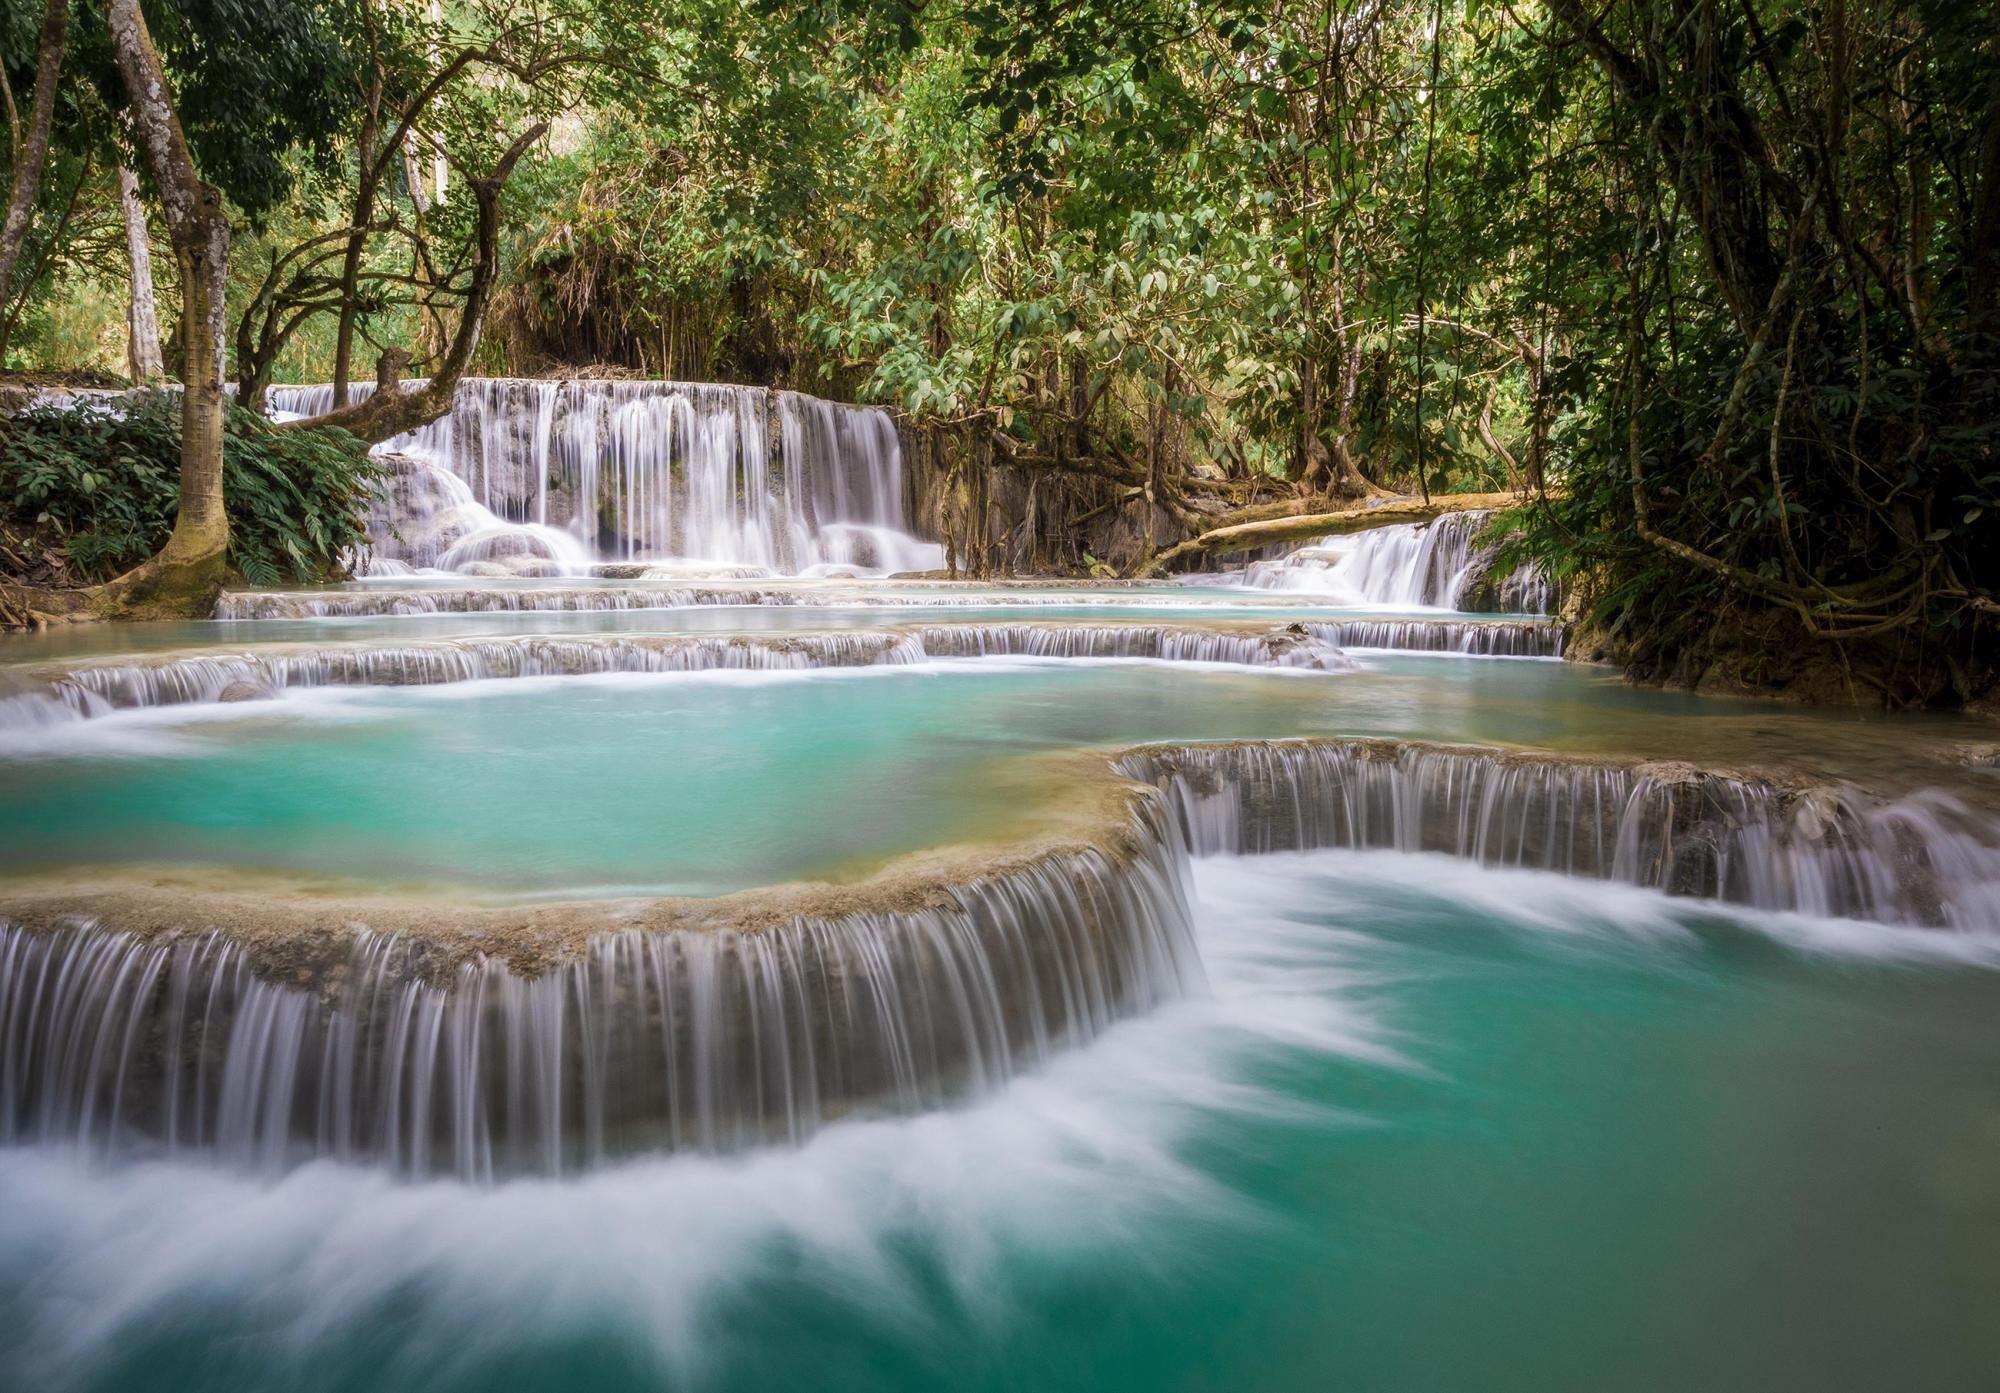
(1292,646)
(1825,850)
(539,478)
(264,1052)
(97,689)
(711,1040)
(388,601)
(1437,564)
(1484,638)
(383,603)
(427,517)
(847,463)
(181,680)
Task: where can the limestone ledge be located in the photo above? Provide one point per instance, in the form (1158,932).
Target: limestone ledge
(1105,803)
(297,929)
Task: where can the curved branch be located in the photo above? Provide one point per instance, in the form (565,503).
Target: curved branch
(390,412)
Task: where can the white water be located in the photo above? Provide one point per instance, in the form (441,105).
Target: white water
(92,690)
(710,1039)
(918,1224)
(544,478)
(720,1040)
(1825,850)
(1407,565)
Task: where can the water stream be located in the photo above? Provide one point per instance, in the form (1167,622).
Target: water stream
(545,478)
(1433,1126)
(630,960)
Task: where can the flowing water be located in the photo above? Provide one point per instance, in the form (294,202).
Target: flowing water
(588,971)
(1444,564)
(545,478)
(1434,1126)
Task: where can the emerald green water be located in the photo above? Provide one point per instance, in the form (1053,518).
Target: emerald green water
(1437,1128)
(706,783)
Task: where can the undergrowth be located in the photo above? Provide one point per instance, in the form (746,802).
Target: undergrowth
(100,482)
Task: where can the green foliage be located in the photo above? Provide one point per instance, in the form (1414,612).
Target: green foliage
(259,84)
(1167,258)
(103,478)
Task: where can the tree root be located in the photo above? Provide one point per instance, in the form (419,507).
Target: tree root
(168,586)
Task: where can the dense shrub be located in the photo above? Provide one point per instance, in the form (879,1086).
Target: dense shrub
(101,479)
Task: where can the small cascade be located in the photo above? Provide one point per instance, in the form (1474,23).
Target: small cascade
(386,601)
(97,689)
(1825,850)
(531,477)
(426,517)
(1484,638)
(1437,564)
(696,1039)
(193,678)
(36,706)
(1294,645)
(1523,590)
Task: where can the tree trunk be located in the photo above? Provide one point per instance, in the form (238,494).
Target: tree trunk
(1709,137)
(1248,536)
(32,149)
(1347,480)
(1492,441)
(357,241)
(142,313)
(1984,277)
(189,570)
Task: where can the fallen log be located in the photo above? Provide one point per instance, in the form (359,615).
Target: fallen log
(1377,512)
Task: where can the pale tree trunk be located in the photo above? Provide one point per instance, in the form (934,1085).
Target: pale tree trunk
(357,242)
(142,314)
(440,175)
(190,568)
(413,176)
(364,213)
(31,147)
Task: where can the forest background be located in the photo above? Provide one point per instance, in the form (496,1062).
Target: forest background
(1710,287)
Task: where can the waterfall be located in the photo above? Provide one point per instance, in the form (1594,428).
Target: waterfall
(1485,638)
(1292,646)
(695,1039)
(379,603)
(385,601)
(437,1054)
(1437,564)
(541,478)
(97,689)
(56,694)
(1825,850)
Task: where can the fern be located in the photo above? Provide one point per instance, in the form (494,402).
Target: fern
(104,477)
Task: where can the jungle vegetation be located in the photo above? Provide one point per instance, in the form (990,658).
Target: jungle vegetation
(1711,288)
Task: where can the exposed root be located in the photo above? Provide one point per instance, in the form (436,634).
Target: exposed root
(165,587)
